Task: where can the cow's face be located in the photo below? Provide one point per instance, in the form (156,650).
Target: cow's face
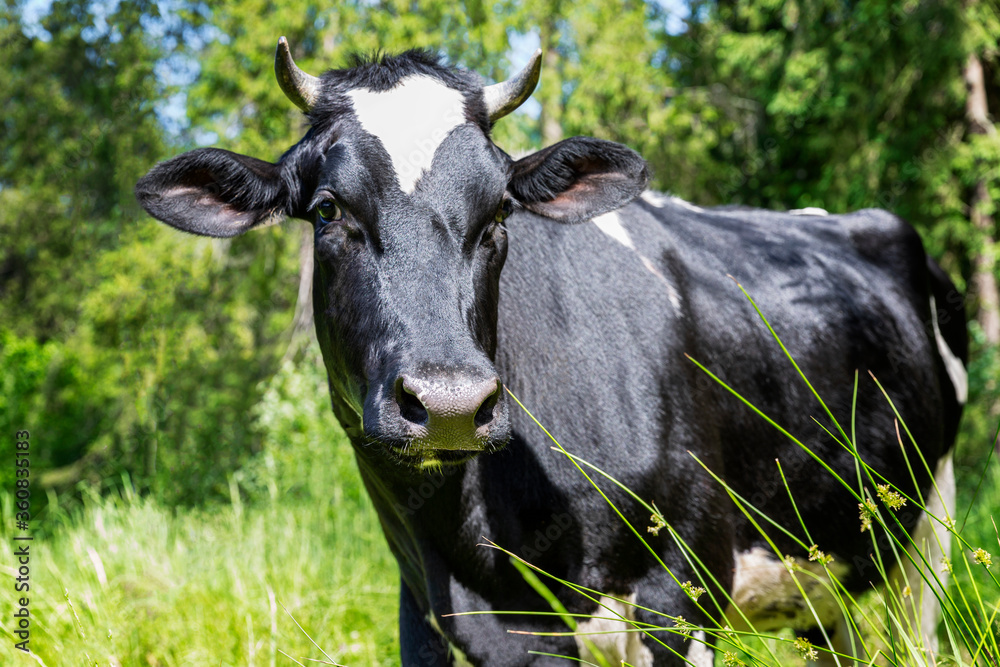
(408,197)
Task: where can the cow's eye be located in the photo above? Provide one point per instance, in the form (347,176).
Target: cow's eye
(329,211)
(505,209)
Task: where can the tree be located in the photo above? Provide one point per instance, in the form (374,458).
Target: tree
(73,85)
(851,105)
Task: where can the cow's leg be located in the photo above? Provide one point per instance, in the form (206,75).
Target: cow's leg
(934,541)
(612,632)
(700,653)
(420,645)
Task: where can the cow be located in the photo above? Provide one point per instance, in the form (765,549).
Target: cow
(451,277)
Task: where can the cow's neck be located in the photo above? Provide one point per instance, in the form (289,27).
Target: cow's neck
(422,515)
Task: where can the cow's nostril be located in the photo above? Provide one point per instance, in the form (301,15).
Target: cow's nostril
(410,407)
(451,408)
(484,415)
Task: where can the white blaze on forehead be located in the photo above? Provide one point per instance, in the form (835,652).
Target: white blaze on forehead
(411,120)
(611,224)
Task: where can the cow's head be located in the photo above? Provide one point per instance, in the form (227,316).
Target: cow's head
(408,196)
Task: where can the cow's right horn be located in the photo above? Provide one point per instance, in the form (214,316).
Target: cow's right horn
(502,98)
(301,88)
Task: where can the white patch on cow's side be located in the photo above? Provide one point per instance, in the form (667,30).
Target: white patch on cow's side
(700,654)
(411,120)
(809,210)
(688,205)
(611,633)
(672,294)
(611,224)
(657,199)
(766,594)
(458,658)
(952,364)
(934,542)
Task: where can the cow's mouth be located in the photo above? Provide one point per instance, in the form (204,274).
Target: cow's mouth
(420,454)
(424,456)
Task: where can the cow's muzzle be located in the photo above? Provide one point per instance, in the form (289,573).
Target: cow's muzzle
(450,412)
(442,414)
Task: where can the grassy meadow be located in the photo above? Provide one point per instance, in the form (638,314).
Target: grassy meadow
(119,579)
(123,580)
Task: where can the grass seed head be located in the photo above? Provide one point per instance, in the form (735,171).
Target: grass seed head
(805,649)
(890,497)
(683,627)
(867,509)
(818,556)
(790,564)
(659,523)
(693,592)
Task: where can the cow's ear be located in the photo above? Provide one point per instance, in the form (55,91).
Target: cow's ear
(213,192)
(578,178)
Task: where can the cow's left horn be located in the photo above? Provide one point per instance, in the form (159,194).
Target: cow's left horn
(502,98)
(301,88)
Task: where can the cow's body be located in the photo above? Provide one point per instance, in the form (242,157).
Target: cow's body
(593,330)
(602,294)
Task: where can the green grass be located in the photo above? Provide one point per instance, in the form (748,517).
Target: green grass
(123,580)
(119,579)
(191,587)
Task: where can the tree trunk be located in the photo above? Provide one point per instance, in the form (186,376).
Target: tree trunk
(550,91)
(302,321)
(984,277)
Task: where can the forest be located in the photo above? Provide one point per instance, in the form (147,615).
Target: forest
(195,501)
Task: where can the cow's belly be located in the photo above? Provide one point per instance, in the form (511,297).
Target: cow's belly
(769,595)
(766,594)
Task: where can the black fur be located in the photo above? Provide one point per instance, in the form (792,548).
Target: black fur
(213,192)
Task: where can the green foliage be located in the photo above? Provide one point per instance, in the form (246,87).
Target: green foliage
(194,325)
(161,338)
(298,435)
(38,379)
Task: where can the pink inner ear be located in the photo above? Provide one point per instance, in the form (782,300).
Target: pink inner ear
(207,201)
(573,203)
(181,191)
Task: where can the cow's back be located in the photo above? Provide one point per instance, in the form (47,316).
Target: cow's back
(596,320)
